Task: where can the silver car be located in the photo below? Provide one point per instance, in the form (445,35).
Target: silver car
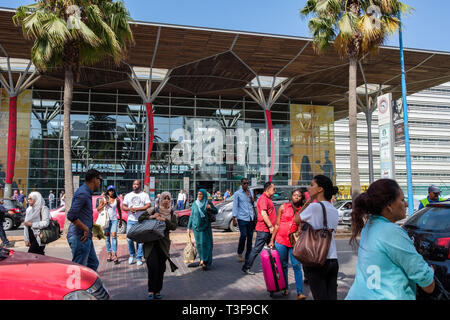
(344,208)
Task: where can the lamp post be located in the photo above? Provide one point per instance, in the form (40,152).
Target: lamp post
(405,115)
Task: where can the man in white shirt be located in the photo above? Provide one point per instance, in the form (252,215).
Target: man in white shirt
(181,200)
(51,199)
(136,203)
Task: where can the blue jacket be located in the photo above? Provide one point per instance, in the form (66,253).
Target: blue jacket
(81,209)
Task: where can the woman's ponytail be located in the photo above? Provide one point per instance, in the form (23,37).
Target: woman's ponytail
(359,215)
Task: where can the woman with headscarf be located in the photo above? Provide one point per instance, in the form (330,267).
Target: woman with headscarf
(200,224)
(156,253)
(37,217)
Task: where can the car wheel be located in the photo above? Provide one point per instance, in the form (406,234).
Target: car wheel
(183,221)
(8,224)
(233,228)
(123,228)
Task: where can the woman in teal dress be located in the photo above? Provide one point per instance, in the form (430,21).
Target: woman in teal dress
(200,224)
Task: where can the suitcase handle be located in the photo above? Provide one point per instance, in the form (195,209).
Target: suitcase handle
(276,274)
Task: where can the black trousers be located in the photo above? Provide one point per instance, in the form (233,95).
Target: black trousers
(34,246)
(246,228)
(262,238)
(156,265)
(323,280)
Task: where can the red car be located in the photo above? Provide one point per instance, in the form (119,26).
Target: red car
(27,276)
(60,214)
(183,215)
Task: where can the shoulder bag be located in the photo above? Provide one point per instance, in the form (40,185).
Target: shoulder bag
(50,233)
(210,214)
(103,217)
(147,231)
(312,246)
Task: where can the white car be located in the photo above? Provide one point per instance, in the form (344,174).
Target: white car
(344,208)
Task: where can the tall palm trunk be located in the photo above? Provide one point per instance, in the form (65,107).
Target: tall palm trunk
(12,135)
(353,124)
(67,143)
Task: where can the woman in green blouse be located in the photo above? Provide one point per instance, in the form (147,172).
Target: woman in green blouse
(200,224)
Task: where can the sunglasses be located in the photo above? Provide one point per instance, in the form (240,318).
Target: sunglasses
(244,182)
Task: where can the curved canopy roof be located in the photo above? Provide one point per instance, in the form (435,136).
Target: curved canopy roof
(210,63)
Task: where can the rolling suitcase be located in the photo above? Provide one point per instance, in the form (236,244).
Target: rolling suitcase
(272,270)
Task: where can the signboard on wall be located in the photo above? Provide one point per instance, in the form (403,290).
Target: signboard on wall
(386,136)
(312,143)
(76,182)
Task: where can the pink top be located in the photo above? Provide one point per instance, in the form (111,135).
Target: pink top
(287,225)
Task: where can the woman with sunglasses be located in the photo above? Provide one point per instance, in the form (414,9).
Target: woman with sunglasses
(112,204)
(37,217)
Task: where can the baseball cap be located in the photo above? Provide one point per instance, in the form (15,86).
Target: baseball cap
(434,189)
(111,188)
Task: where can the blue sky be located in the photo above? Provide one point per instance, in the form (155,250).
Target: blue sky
(426,28)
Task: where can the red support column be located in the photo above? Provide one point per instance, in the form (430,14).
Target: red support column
(12,137)
(272,142)
(151,130)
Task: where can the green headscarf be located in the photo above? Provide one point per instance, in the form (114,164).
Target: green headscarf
(202,204)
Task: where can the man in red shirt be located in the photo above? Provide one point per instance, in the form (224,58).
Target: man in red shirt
(267,217)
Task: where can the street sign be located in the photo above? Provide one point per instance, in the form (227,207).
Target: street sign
(386,136)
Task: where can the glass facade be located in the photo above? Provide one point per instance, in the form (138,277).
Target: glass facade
(213,142)
(199,143)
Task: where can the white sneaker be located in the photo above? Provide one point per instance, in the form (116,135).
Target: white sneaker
(139,263)
(131,260)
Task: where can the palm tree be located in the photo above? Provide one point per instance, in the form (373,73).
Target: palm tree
(357,27)
(71,34)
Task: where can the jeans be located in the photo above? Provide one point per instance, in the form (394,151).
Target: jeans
(285,253)
(2,231)
(323,280)
(112,228)
(83,253)
(262,238)
(131,246)
(246,228)
(180,204)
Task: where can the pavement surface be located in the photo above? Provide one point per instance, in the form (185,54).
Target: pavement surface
(224,281)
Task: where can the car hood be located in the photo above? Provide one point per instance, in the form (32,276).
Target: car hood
(40,277)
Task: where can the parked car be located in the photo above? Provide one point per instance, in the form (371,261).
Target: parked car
(429,229)
(15,215)
(225,211)
(27,276)
(59,214)
(183,215)
(344,208)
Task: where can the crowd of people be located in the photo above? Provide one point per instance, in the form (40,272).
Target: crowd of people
(382,243)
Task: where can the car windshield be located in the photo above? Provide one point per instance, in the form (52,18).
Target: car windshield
(431,219)
(282,194)
(338,204)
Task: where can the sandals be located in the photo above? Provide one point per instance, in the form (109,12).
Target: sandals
(285,292)
(109,259)
(116,260)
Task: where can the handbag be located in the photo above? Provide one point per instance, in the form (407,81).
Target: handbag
(190,251)
(103,218)
(293,236)
(211,215)
(147,231)
(50,233)
(312,246)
